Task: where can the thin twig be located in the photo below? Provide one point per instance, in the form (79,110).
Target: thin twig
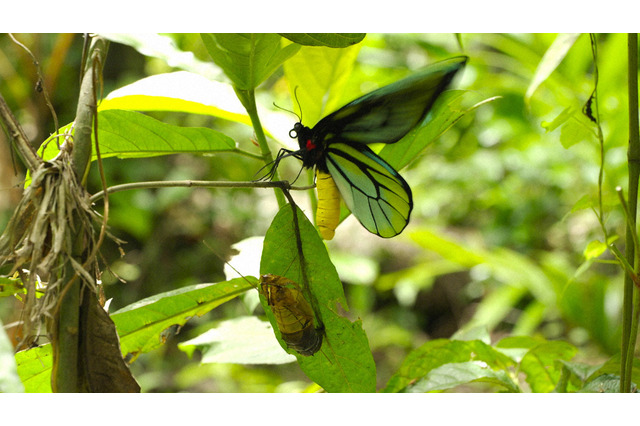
(40,84)
(282,184)
(21,142)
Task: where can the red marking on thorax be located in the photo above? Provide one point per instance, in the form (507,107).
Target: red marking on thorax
(310,145)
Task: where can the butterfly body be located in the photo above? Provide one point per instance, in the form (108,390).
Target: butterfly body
(372,189)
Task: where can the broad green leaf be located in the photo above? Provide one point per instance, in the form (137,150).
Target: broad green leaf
(180,91)
(248,59)
(128,134)
(9,380)
(612,366)
(142,326)
(550,61)
(436,353)
(243,340)
(34,369)
(325,39)
(455,374)
(542,364)
(317,77)
(344,363)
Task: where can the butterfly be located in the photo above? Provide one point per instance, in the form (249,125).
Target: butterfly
(347,168)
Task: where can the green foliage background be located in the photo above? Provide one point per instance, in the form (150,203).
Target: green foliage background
(497,266)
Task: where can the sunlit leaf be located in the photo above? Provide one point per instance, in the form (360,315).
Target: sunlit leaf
(594,249)
(317,76)
(243,340)
(34,368)
(180,91)
(455,374)
(551,59)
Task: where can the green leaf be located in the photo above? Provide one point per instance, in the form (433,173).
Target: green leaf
(9,380)
(317,76)
(607,383)
(612,366)
(180,91)
(34,369)
(324,39)
(542,364)
(562,118)
(11,286)
(344,362)
(447,248)
(455,374)
(594,249)
(437,353)
(243,340)
(141,325)
(550,61)
(575,131)
(445,113)
(248,59)
(128,134)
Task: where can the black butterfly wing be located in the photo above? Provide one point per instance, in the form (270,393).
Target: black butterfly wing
(389,113)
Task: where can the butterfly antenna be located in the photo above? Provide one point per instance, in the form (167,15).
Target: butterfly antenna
(230,265)
(287,110)
(295,95)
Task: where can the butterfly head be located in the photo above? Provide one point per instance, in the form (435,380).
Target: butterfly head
(310,152)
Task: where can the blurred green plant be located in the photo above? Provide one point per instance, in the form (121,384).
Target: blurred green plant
(503,238)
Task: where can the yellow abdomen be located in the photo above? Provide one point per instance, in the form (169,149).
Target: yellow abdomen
(328,213)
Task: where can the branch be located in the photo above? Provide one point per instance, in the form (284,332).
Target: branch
(87,109)
(282,184)
(25,150)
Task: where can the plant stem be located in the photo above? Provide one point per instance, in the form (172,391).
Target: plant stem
(196,183)
(629,320)
(68,375)
(248,99)
(86,109)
